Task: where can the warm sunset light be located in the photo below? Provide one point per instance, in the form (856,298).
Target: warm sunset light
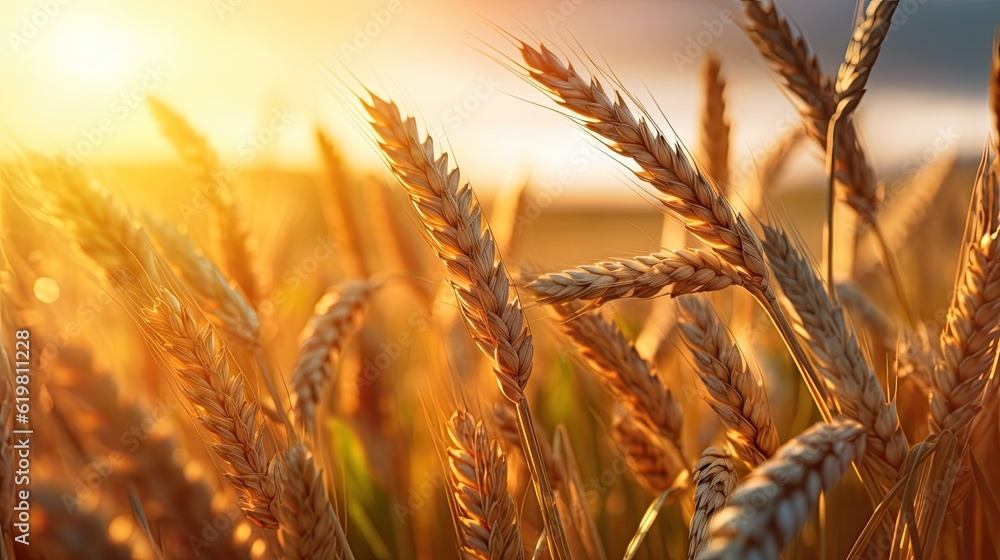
(503,279)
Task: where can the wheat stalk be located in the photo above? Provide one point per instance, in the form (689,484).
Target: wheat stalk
(715,480)
(477,476)
(226,305)
(453,220)
(838,356)
(771,505)
(336,317)
(645,276)
(232,425)
(308,526)
(234,237)
(682,188)
(737,396)
(714,140)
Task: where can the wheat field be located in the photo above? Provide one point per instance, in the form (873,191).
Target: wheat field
(380,363)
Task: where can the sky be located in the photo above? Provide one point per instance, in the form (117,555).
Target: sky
(257,77)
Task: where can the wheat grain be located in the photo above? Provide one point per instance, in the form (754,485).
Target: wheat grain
(737,396)
(714,140)
(477,476)
(463,242)
(335,318)
(715,480)
(645,276)
(231,424)
(682,188)
(771,505)
(308,526)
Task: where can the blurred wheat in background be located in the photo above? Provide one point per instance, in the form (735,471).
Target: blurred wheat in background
(394,363)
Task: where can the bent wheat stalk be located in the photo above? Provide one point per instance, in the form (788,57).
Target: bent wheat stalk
(477,476)
(737,396)
(772,505)
(336,316)
(452,217)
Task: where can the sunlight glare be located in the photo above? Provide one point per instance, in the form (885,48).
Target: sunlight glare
(94,51)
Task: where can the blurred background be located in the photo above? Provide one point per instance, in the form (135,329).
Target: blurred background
(230,65)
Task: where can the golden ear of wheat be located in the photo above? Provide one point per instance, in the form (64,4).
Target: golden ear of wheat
(336,317)
(618,367)
(307,523)
(715,480)
(452,217)
(231,424)
(681,187)
(645,276)
(838,357)
(772,505)
(477,476)
(736,394)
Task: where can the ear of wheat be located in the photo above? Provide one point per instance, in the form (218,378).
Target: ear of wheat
(771,505)
(339,209)
(232,425)
(681,187)
(308,526)
(477,476)
(453,220)
(714,477)
(736,394)
(336,316)
(838,357)
(684,272)
(968,340)
(619,368)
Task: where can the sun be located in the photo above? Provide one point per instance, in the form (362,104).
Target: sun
(91,50)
